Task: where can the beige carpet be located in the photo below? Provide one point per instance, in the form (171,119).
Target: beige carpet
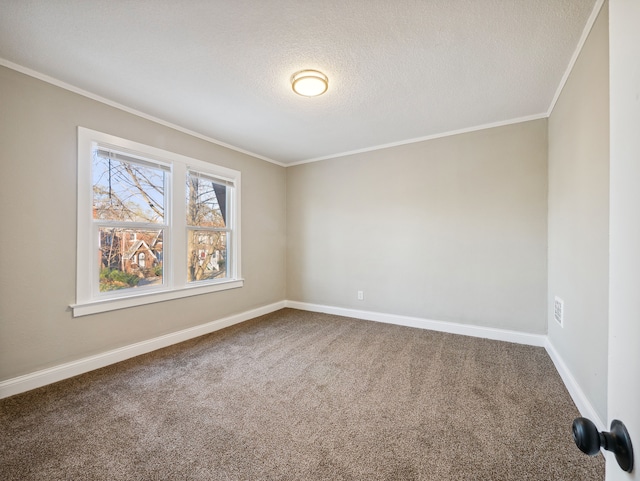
(302,396)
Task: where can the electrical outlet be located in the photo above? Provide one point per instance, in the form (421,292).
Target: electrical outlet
(558,310)
(361,295)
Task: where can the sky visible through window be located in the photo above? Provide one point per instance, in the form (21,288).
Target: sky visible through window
(124,191)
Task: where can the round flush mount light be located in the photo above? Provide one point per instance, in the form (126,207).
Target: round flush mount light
(309,83)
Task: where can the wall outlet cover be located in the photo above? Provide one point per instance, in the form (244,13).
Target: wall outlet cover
(558,310)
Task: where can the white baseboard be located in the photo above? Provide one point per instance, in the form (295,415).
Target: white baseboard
(577,394)
(41,378)
(538,340)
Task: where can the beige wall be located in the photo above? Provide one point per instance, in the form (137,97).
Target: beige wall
(579,217)
(38,146)
(453,229)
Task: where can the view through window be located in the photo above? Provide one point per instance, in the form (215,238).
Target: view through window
(129,214)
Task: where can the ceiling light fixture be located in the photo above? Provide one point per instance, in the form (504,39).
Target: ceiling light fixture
(309,83)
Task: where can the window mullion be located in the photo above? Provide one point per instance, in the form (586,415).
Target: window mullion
(178,226)
(233,211)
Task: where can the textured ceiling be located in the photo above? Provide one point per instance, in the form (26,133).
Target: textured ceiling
(398,69)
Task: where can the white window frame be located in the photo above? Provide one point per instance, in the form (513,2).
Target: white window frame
(228,228)
(175,285)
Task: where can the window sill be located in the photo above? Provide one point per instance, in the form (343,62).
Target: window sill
(104,305)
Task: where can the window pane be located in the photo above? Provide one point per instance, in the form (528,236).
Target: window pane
(129,258)
(207,257)
(206,202)
(125,191)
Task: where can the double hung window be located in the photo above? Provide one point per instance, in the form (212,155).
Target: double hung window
(152,225)
(207,228)
(129,206)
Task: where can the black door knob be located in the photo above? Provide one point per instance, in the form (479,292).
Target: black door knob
(589,441)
